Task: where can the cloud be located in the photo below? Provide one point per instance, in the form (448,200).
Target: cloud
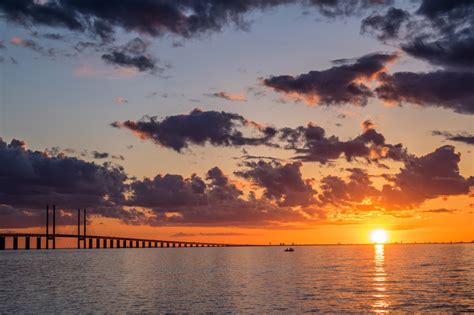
(133,54)
(445,37)
(158,18)
(181,234)
(175,200)
(50,36)
(452,52)
(141,62)
(433,175)
(440,210)
(120,100)
(458,137)
(228,96)
(198,128)
(11,217)
(445,89)
(310,142)
(439,32)
(348,194)
(99,155)
(281,182)
(31,44)
(312,145)
(385,27)
(88,71)
(31,179)
(430,176)
(345,83)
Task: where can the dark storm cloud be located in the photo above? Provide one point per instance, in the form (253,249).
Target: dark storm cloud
(446,89)
(338,85)
(458,137)
(283,183)
(386,26)
(312,145)
(198,128)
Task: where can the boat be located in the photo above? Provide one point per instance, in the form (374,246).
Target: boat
(289,249)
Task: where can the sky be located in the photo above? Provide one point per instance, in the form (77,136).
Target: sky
(305,121)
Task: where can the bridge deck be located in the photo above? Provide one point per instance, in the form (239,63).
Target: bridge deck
(115,238)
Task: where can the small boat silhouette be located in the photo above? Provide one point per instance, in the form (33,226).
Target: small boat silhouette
(289,249)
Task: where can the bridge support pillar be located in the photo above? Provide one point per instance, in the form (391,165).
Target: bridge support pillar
(137,245)
(90,243)
(15,242)
(38,242)
(2,243)
(124,243)
(97,243)
(104,243)
(111,242)
(118,243)
(27,242)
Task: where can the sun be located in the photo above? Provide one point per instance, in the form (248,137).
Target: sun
(379,236)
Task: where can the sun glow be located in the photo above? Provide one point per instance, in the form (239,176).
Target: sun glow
(379,236)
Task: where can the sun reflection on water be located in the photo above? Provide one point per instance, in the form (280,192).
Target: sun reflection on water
(381,303)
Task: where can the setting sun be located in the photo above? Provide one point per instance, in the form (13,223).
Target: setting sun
(378,236)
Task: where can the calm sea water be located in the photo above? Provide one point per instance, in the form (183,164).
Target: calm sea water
(242,280)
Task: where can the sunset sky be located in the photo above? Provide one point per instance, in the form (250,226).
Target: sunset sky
(253,121)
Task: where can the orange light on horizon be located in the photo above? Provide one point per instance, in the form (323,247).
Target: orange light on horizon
(379,236)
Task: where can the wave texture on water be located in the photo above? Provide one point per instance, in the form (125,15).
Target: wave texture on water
(357,278)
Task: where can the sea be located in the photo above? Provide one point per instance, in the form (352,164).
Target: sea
(256,280)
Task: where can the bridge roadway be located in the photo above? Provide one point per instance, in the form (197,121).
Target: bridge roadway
(100,241)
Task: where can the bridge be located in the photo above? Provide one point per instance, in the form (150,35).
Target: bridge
(91,241)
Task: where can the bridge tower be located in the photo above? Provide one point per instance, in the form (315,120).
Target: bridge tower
(53,235)
(79,236)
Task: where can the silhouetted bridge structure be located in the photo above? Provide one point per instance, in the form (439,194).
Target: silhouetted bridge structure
(91,241)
